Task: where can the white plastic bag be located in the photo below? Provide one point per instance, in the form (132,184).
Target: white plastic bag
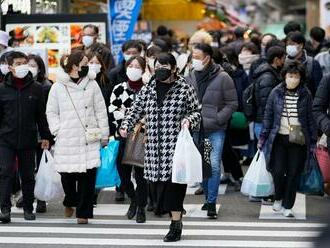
(187,161)
(48,181)
(258,182)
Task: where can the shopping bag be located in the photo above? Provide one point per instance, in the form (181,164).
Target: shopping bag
(311,181)
(107,174)
(187,161)
(258,182)
(238,121)
(323,158)
(48,181)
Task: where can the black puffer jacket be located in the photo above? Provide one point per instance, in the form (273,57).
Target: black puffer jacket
(266,78)
(321,106)
(22,114)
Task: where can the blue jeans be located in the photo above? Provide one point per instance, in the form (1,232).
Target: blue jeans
(211,185)
(257,129)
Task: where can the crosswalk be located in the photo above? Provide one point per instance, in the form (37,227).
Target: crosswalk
(124,233)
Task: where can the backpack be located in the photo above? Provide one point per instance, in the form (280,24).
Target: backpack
(249,106)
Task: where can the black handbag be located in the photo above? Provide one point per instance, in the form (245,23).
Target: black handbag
(204,146)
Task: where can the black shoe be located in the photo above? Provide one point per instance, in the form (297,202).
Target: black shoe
(29,216)
(41,207)
(5,217)
(140,215)
(199,191)
(175,232)
(205,207)
(237,186)
(132,210)
(120,197)
(19,203)
(212,211)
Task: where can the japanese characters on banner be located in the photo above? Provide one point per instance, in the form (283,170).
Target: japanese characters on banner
(123,16)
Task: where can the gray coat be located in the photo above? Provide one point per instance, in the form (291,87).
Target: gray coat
(219,101)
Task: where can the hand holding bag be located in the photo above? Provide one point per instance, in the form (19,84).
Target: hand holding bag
(187,161)
(92,135)
(258,182)
(107,174)
(48,181)
(134,148)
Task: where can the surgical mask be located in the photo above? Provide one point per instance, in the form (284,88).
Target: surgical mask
(214,44)
(34,71)
(292,50)
(4,69)
(162,74)
(83,71)
(134,74)
(95,68)
(292,83)
(151,63)
(127,57)
(87,40)
(21,71)
(197,64)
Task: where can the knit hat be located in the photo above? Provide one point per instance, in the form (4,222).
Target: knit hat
(4,37)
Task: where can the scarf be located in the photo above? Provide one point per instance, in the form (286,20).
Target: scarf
(247,59)
(135,86)
(204,78)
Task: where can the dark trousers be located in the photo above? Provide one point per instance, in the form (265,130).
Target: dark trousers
(287,162)
(79,191)
(230,159)
(26,167)
(141,193)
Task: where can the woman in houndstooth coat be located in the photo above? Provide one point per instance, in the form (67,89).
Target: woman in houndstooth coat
(167,102)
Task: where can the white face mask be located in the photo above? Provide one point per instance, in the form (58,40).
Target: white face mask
(34,71)
(127,57)
(4,69)
(292,83)
(21,71)
(292,50)
(87,40)
(134,74)
(95,68)
(197,64)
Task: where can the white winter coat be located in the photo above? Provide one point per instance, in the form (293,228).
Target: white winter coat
(72,153)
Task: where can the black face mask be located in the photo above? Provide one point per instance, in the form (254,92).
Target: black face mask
(162,74)
(83,71)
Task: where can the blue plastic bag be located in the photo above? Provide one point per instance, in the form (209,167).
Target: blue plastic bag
(107,174)
(311,181)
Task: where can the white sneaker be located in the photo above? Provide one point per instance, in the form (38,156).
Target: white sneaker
(277,206)
(288,213)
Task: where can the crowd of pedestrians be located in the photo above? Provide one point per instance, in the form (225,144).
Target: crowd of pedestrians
(240,93)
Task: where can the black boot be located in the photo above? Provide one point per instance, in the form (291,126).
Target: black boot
(132,210)
(205,207)
(5,217)
(41,207)
(212,211)
(175,231)
(28,215)
(140,215)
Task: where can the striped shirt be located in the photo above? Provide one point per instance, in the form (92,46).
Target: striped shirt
(290,110)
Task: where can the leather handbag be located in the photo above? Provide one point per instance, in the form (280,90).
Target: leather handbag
(296,134)
(134,148)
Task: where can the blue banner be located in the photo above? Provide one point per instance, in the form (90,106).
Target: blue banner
(123,15)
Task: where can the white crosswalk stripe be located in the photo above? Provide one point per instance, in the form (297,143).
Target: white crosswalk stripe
(113,233)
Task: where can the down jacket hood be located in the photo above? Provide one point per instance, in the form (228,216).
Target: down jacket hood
(64,78)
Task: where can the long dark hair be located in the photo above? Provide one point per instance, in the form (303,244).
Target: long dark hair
(104,79)
(41,76)
(68,60)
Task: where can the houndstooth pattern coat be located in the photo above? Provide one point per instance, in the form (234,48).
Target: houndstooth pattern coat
(163,124)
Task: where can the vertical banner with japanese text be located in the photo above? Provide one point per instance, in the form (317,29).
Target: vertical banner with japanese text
(123,16)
